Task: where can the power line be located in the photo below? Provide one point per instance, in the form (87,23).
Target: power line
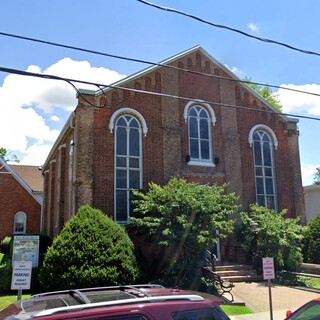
(66,46)
(229,28)
(99,85)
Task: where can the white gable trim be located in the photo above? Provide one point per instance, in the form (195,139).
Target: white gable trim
(18,178)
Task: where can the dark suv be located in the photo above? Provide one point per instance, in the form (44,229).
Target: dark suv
(139,302)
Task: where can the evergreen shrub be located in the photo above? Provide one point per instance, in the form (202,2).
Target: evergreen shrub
(91,250)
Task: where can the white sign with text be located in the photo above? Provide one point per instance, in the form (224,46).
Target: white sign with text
(21,275)
(268,268)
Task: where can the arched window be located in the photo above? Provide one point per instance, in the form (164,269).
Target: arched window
(199,117)
(70,178)
(128,164)
(20,223)
(264,168)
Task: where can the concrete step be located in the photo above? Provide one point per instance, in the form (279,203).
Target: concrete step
(243,278)
(236,273)
(227,267)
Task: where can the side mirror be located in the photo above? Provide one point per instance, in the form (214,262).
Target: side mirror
(288,313)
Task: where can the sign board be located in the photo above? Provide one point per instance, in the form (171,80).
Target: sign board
(21,275)
(26,248)
(268,268)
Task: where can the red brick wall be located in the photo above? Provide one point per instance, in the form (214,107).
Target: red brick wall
(166,144)
(15,198)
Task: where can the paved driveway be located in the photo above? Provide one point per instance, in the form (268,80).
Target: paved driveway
(256,297)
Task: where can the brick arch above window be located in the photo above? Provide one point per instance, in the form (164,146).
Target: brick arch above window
(264,128)
(202,104)
(127,110)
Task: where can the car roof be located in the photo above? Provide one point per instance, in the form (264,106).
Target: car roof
(77,299)
(134,301)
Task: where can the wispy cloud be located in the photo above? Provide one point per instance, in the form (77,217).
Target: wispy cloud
(295,102)
(253,27)
(235,70)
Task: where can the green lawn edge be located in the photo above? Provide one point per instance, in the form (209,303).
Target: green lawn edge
(235,310)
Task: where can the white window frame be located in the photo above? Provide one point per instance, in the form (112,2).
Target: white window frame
(273,144)
(133,114)
(211,119)
(23,221)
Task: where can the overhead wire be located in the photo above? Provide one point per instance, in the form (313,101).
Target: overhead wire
(229,28)
(99,85)
(66,46)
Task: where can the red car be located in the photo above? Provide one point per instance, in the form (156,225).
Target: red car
(309,311)
(140,302)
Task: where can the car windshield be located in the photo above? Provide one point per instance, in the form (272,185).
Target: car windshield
(310,311)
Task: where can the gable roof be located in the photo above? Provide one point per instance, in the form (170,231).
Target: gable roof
(31,175)
(5,168)
(156,66)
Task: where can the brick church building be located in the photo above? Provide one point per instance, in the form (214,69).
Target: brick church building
(188,116)
(20,200)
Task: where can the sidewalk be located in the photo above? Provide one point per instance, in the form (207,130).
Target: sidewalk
(256,297)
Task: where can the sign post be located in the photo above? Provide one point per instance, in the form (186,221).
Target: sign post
(268,274)
(21,276)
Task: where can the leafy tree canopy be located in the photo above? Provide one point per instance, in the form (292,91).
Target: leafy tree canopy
(91,250)
(266,93)
(311,241)
(4,156)
(184,216)
(316,176)
(275,236)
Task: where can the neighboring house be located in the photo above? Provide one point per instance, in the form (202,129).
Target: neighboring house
(21,199)
(312,200)
(218,131)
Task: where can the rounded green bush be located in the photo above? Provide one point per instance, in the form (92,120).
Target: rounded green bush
(311,242)
(91,250)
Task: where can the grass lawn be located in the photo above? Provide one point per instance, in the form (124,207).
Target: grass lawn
(232,310)
(6,300)
(314,282)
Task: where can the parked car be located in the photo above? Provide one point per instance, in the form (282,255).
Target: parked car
(309,311)
(138,302)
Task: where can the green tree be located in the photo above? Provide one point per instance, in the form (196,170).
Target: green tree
(266,93)
(311,241)
(4,156)
(184,218)
(316,176)
(91,250)
(274,236)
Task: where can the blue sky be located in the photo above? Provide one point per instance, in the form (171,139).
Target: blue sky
(33,111)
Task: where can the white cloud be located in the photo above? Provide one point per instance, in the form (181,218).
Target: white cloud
(55,118)
(235,70)
(307,172)
(294,102)
(29,106)
(253,27)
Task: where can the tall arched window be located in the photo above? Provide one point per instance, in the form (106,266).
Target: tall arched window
(199,118)
(264,168)
(128,164)
(70,178)
(20,223)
